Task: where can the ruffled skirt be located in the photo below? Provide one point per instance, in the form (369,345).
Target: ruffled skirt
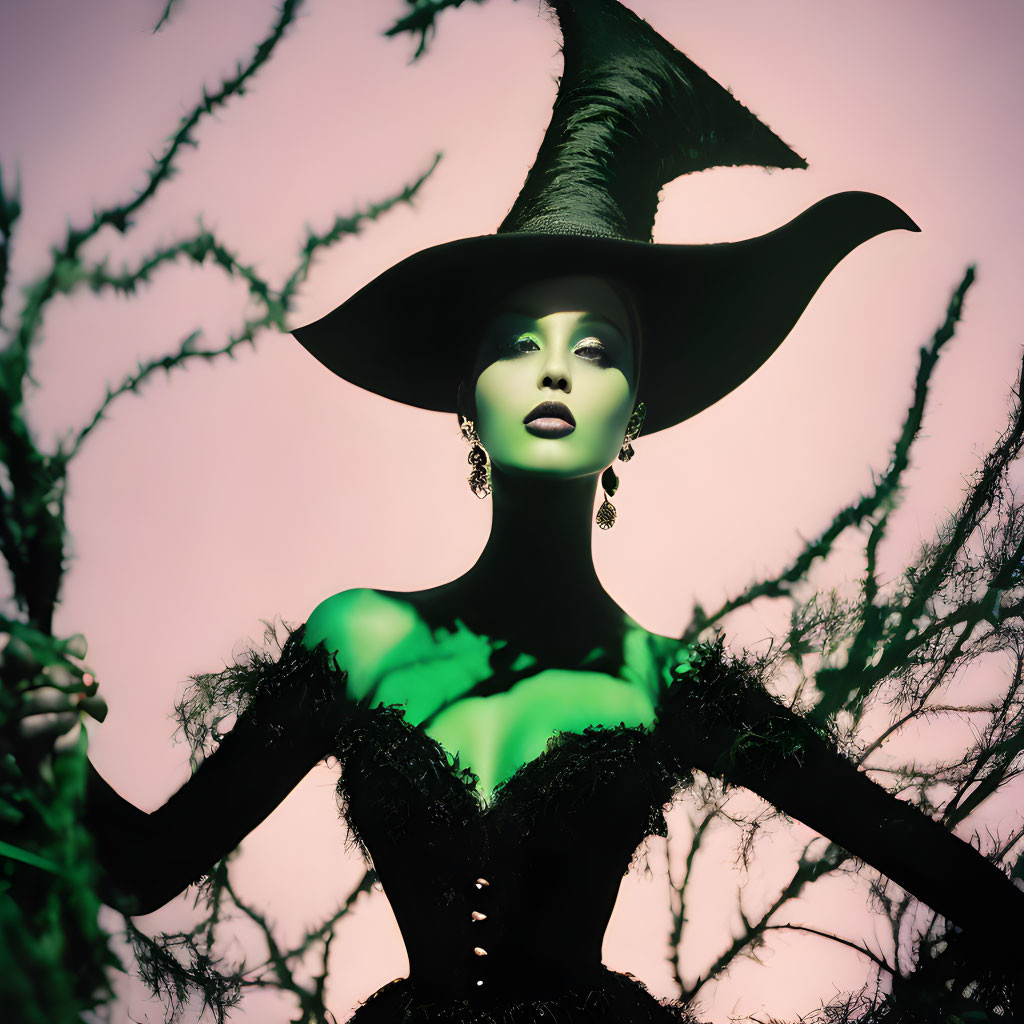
(613,999)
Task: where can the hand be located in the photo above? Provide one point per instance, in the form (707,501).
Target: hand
(50,690)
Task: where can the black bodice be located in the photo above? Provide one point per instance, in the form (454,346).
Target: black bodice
(508,898)
(502,903)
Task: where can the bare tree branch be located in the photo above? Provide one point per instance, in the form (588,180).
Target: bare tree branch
(677,895)
(66,255)
(421,21)
(165,17)
(863,950)
(883,492)
(275,303)
(807,871)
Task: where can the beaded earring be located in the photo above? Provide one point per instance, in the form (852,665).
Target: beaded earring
(480,473)
(606,513)
(609,481)
(633,428)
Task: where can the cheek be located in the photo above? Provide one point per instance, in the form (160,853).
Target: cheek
(606,409)
(497,408)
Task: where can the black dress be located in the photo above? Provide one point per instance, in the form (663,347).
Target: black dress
(503,904)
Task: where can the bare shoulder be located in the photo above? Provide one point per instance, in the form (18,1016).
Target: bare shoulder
(651,660)
(362,627)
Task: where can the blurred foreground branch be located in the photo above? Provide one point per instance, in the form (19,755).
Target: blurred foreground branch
(54,956)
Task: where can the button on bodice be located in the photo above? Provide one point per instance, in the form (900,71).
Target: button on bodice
(515,895)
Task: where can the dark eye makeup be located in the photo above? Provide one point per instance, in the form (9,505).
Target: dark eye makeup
(594,350)
(509,336)
(597,341)
(523,343)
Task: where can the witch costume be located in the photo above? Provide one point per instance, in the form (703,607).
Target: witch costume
(503,903)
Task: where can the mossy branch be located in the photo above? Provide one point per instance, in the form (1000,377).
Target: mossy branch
(33,534)
(200,247)
(897,645)
(883,493)
(905,628)
(39,293)
(275,302)
(351,224)
(421,21)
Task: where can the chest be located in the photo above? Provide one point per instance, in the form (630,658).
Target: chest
(494,725)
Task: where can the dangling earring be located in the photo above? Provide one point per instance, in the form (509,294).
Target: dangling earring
(633,428)
(480,474)
(606,513)
(609,481)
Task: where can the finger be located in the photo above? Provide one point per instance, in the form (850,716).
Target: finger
(76,646)
(48,726)
(94,706)
(60,675)
(69,740)
(18,658)
(45,698)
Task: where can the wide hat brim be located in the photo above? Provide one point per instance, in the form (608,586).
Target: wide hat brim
(710,315)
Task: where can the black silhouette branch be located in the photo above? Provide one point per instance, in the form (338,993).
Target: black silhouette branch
(895,649)
(182,965)
(882,494)
(807,871)
(878,961)
(677,893)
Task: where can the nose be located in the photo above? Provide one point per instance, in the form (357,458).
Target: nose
(555,373)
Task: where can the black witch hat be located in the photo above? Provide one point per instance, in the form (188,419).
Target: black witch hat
(632,113)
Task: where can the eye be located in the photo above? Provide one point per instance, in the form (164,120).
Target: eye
(523,343)
(593,349)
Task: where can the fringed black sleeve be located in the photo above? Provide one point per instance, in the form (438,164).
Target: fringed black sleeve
(286,710)
(718,717)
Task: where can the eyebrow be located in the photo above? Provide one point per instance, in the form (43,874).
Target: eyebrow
(590,320)
(595,319)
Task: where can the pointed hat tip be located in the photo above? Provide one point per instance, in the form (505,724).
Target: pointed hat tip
(870,212)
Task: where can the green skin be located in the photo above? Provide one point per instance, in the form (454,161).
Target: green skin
(527,643)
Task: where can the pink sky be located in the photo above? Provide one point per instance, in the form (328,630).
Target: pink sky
(251,489)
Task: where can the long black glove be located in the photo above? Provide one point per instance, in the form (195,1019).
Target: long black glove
(723,722)
(288,715)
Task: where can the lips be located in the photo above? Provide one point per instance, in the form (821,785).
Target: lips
(550,419)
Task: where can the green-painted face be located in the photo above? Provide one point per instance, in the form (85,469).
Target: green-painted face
(557,382)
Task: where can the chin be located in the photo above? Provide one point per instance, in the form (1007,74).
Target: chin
(553,469)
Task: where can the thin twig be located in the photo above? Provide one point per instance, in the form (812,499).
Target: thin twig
(863,950)
(165,17)
(66,255)
(856,513)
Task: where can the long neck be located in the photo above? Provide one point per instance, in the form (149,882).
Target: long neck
(536,573)
(541,529)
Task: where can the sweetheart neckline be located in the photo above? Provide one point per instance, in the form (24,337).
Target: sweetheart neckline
(469,779)
(682,656)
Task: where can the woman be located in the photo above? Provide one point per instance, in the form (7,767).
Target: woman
(509,738)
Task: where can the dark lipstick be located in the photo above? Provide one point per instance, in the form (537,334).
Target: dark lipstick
(550,419)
